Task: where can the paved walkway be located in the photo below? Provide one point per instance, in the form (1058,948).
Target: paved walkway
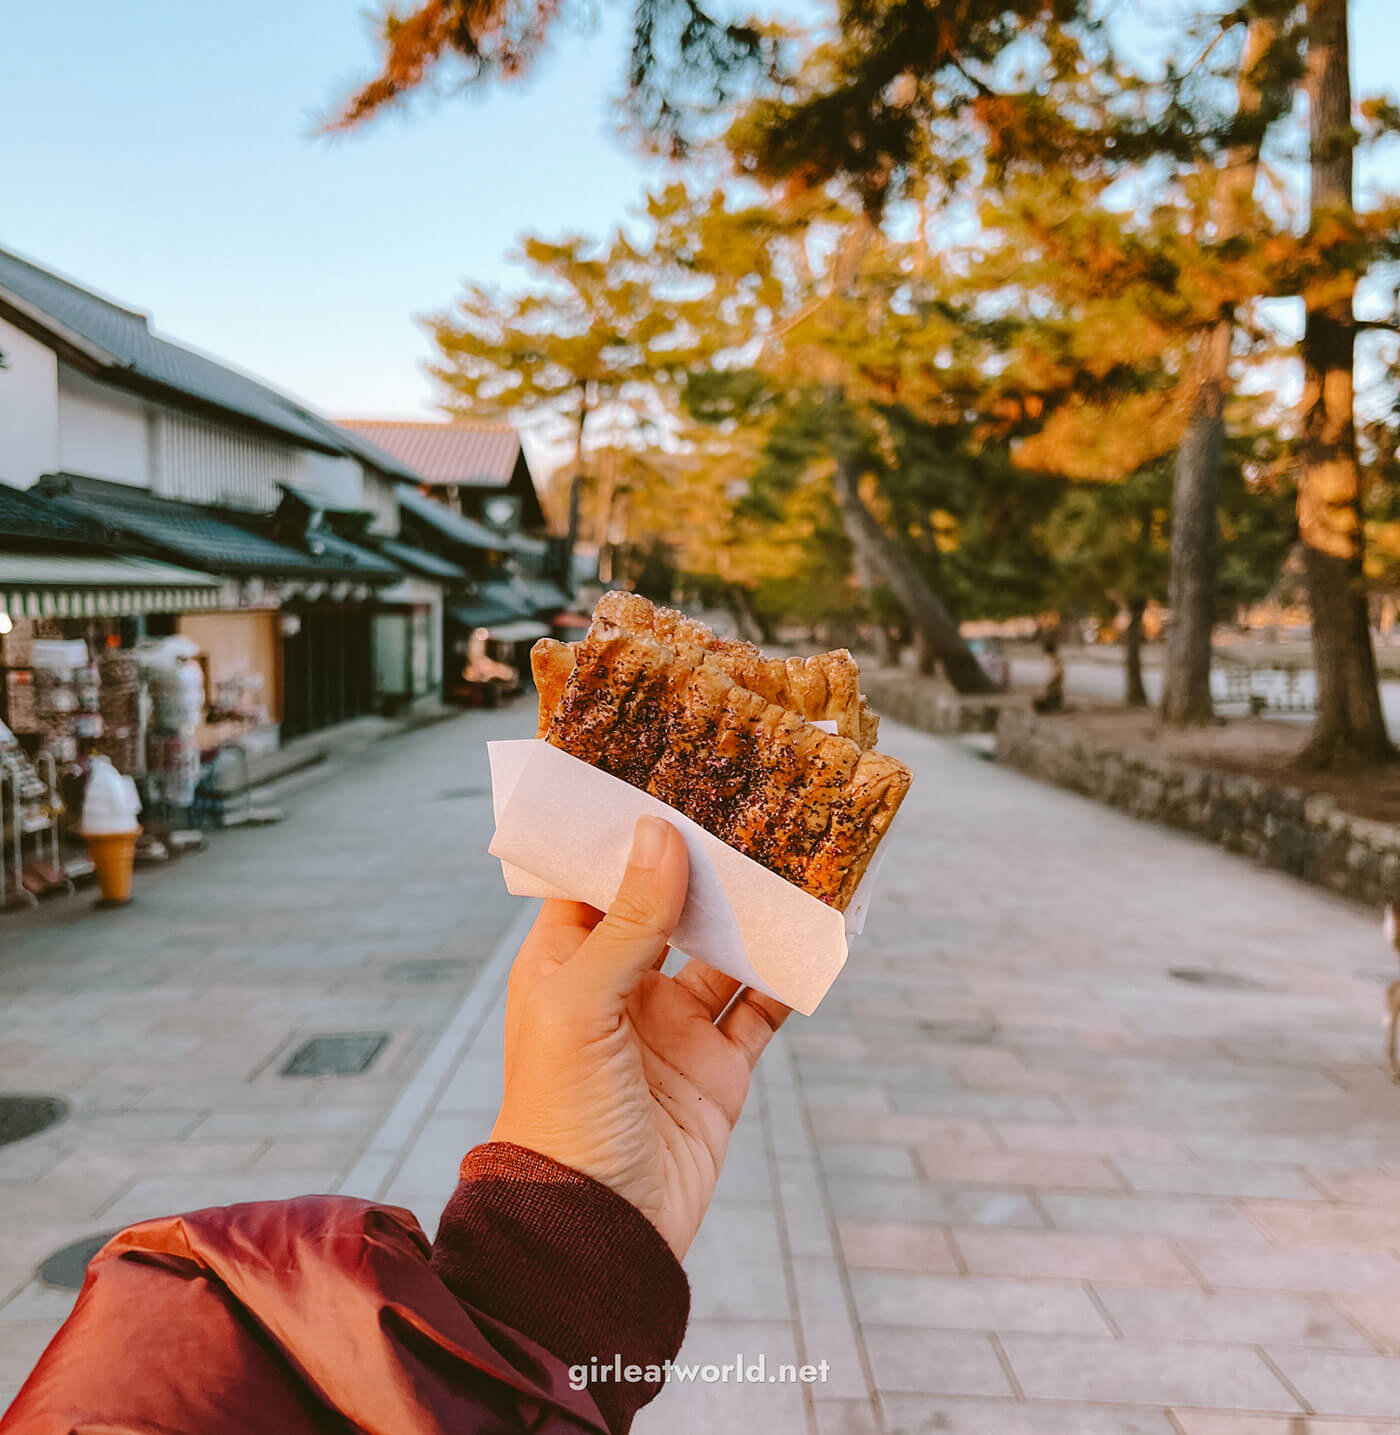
(1014,1178)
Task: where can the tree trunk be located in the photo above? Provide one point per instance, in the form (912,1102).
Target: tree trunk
(1134,693)
(884,560)
(752,629)
(1186,699)
(1350,728)
(886,646)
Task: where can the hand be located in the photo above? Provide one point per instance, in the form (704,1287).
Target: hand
(621,1072)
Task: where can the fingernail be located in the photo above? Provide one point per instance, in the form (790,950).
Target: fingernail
(648,842)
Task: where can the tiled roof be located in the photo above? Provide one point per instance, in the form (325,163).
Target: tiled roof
(120,340)
(201,538)
(31,516)
(453,526)
(474,455)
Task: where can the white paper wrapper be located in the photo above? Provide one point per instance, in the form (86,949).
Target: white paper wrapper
(564,829)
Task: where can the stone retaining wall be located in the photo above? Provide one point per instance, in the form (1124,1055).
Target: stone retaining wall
(1307,836)
(929,705)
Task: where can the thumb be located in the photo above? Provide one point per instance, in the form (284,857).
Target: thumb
(637,925)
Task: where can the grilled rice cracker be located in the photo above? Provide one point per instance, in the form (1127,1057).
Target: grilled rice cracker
(821,688)
(825,687)
(551,662)
(809,805)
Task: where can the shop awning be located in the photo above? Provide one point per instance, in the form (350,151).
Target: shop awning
(455,527)
(63,585)
(507,595)
(544,596)
(494,604)
(523,544)
(481,615)
(523,630)
(419,560)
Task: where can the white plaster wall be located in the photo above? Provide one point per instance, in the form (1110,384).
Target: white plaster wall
(102,432)
(335,478)
(28,408)
(377,494)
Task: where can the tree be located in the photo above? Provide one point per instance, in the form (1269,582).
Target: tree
(586,340)
(902,98)
(1258,519)
(1109,544)
(810,337)
(1186,695)
(683,59)
(1350,728)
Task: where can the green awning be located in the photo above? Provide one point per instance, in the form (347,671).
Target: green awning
(523,630)
(544,596)
(481,615)
(63,585)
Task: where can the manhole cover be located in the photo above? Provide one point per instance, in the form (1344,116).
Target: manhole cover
(67,1268)
(22,1116)
(345,1054)
(430,969)
(1220,981)
(962,1033)
(455,794)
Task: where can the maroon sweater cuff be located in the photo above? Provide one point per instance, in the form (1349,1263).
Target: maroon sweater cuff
(562,1259)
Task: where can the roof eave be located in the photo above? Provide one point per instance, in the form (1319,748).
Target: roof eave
(35,319)
(98,363)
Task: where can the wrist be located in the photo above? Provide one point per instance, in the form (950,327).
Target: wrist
(568,1261)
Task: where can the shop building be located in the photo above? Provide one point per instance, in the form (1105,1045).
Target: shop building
(476,469)
(295,620)
(184,459)
(477,504)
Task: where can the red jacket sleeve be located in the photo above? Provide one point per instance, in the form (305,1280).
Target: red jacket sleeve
(312,1315)
(570,1263)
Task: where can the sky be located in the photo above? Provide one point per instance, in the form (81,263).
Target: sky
(165,153)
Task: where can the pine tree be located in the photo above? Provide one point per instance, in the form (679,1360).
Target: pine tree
(1350,729)
(585,341)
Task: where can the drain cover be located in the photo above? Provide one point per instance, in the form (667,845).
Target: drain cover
(961,1033)
(22,1116)
(430,969)
(345,1054)
(455,794)
(1220,981)
(66,1268)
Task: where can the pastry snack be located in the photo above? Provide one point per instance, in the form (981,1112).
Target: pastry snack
(669,714)
(824,688)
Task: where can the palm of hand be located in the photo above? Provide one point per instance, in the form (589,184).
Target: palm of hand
(640,1092)
(678,1085)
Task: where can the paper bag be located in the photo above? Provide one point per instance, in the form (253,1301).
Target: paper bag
(564,829)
